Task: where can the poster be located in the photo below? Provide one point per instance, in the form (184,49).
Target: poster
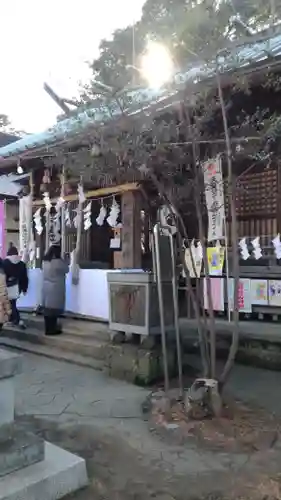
(2,230)
(259,292)
(274,293)
(244,295)
(215,256)
(217,292)
(214,195)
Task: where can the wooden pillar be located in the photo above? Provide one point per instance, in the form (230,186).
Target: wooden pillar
(131,230)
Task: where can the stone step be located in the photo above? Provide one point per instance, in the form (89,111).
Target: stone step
(19,449)
(51,352)
(80,345)
(73,327)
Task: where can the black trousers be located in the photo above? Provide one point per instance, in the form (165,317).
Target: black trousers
(15,315)
(51,324)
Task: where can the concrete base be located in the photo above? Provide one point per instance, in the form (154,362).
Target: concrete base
(20,449)
(59,474)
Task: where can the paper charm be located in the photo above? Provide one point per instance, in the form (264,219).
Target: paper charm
(47,201)
(102,215)
(87,216)
(244,249)
(67,218)
(114,213)
(38,222)
(81,194)
(277,246)
(257,252)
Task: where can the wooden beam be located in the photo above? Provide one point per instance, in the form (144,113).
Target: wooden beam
(96,193)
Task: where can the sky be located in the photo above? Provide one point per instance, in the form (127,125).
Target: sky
(52,40)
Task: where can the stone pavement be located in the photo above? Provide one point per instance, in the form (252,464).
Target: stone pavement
(72,397)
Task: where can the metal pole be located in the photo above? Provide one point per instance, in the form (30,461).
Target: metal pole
(176,314)
(227,271)
(63,214)
(156,231)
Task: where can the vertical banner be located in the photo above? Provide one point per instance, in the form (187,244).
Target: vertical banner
(244,295)
(25,226)
(2,230)
(214,195)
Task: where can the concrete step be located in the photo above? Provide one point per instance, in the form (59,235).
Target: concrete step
(51,352)
(19,449)
(80,345)
(99,331)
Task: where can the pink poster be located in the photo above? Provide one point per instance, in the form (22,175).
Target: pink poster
(217,292)
(2,230)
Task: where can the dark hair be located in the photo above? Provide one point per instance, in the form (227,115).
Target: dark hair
(54,252)
(12,251)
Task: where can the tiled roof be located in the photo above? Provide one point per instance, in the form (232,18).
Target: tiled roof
(241,57)
(9,184)
(7,139)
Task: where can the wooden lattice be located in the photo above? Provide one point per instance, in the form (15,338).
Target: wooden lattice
(257,194)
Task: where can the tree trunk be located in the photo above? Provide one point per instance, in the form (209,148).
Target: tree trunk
(234,242)
(197,196)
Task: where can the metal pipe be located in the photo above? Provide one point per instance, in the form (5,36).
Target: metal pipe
(63,214)
(176,314)
(156,231)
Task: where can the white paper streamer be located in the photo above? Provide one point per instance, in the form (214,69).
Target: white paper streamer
(38,222)
(257,252)
(277,246)
(67,217)
(102,215)
(114,213)
(81,194)
(47,201)
(87,216)
(60,203)
(244,249)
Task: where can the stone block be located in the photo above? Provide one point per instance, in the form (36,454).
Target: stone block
(59,474)
(10,364)
(19,449)
(7,401)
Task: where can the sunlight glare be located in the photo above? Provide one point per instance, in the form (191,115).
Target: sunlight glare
(156,65)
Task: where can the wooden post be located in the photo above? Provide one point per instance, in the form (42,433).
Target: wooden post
(131,230)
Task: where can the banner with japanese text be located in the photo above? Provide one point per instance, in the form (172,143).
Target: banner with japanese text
(213,183)
(2,230)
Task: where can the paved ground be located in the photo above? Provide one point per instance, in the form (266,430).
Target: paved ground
(101,419)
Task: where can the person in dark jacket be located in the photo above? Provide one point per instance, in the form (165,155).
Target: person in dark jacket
(17,282)
(53,289)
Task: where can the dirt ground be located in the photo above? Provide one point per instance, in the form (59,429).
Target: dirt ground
(117,472)
(100,419)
